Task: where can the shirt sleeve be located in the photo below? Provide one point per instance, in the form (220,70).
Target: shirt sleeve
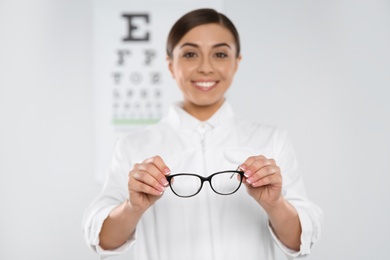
(310,215)
(114,192)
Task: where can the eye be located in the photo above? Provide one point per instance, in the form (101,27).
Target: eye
(221,55)
(189,55)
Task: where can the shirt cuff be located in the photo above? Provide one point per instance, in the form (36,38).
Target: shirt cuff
(97,227)
(306,244)
(307,231)
(117,251)
(286,250)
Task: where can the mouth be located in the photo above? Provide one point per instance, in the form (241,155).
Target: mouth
(205,85)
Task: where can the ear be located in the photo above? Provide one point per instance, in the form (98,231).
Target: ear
(238,59)
(170,65)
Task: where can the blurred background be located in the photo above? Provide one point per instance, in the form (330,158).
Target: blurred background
(319,69)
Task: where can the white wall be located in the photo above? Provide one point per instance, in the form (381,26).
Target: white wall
(319,69)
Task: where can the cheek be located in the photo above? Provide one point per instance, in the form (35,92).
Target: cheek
(227,72)
(181,71)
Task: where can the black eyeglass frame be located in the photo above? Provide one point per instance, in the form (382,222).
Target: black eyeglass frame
(203,179)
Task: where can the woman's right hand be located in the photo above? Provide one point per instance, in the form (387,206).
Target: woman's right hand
(147,182)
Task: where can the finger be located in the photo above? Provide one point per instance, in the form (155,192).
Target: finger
(250,160)
(157,168)
(269,180)
(145,178)
(251,165)
(153,171)
(159,163)
(263,172)
(141,187)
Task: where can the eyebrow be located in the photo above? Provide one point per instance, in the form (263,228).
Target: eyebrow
(197,46)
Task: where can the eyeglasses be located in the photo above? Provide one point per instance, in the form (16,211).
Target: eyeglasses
(186,185)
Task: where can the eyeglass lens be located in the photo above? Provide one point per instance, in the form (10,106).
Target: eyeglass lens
(185,185)
(226,183)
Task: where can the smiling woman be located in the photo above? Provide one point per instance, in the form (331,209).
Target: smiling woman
(192,142)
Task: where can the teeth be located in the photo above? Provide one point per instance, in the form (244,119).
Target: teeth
(205,84)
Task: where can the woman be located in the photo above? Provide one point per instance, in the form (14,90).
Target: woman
(202,136)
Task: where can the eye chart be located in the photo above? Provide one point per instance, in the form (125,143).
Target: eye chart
(132,85)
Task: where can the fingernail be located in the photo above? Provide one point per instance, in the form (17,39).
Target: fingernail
(247,173)
(249,180)
(242,168)
(164,182)
(167,171)
(161,188)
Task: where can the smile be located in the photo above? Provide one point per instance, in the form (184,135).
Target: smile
(205,85)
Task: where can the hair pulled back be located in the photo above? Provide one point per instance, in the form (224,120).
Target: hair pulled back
(195,18)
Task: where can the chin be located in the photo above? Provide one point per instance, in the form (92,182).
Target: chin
(208,103)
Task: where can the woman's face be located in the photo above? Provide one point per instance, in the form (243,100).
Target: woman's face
(203,64)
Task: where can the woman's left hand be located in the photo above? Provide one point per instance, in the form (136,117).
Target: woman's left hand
(263,180)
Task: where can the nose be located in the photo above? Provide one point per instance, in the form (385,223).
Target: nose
(205,66)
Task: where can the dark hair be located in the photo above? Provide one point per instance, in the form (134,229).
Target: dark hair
(195,18)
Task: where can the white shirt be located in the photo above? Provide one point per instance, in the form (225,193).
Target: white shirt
(207,226)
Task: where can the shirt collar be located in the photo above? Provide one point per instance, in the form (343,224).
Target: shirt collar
(181,119)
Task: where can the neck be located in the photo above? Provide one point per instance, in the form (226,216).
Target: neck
(202,113)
